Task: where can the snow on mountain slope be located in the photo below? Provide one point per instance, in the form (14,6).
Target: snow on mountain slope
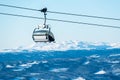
(68,60)
(65,45)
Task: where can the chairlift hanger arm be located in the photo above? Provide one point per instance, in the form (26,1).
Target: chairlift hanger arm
(44,10)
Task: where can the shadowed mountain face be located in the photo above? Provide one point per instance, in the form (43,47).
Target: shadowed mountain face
(61,61)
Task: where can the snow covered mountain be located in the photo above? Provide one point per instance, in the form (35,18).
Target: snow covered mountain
(68,60)
(65,45)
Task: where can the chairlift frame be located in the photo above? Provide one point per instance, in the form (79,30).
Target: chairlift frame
(46,35)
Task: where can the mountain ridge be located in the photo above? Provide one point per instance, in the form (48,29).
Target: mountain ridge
(65,45)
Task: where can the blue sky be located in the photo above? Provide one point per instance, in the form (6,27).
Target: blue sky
(16,31)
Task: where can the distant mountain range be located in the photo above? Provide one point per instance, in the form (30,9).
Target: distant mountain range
(65,45)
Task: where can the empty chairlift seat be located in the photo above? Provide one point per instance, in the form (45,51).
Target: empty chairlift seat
(43,34)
